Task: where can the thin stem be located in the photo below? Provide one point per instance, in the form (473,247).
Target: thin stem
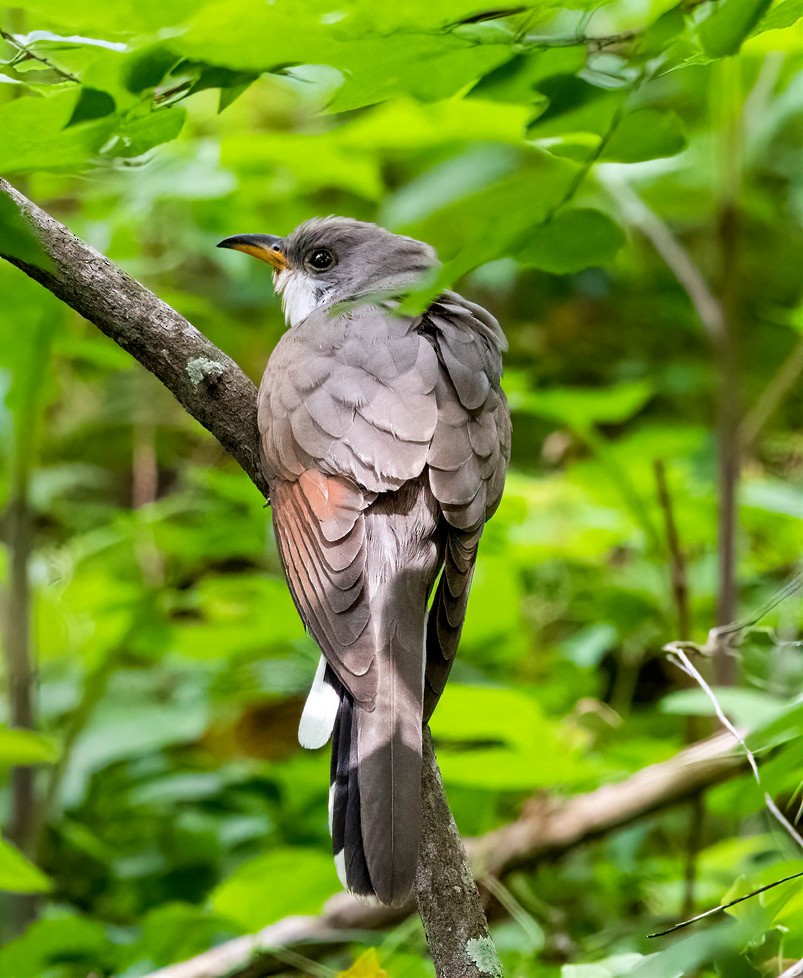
(728,401)
(20,671)
(677,558)
(692,850)
(639,215)
(781,384)
(23,49)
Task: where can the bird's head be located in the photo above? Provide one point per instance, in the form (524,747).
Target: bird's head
(336,259)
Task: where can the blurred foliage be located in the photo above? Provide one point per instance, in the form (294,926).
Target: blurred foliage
(174,808)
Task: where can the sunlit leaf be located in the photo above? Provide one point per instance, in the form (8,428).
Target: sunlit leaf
(779,17)
(36,135)
(18,874)
(366,966)
(729,23)
(18,746)
(279,883)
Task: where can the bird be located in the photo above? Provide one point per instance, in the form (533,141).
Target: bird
(385,441)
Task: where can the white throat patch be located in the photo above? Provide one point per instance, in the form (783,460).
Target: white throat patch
(299,295)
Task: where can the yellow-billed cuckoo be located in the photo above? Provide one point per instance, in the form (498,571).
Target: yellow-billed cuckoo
(385,439)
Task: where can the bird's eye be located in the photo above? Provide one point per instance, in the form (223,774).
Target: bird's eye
(319,259)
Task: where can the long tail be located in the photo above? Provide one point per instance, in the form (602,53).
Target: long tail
(375,782)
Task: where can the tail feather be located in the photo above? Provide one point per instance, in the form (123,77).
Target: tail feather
(389,753)
(375,792)
(345,824)
(320,710)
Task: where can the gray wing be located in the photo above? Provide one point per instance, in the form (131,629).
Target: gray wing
(347,411)
(350,395)
(467,462)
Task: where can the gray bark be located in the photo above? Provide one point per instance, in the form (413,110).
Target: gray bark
(206,382)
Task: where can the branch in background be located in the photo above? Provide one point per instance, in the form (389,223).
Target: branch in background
(547,827)
(781,384)
(718,318)
(796,971)
(20,673)
(213,389)
(638,215)
(677,559)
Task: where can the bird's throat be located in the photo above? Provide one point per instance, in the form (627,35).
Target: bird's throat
(300,295)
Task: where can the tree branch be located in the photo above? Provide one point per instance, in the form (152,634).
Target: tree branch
(547,827)
(213,389)
(207,383)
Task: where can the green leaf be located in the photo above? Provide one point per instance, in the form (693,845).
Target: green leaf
(36,135)
(141,135)
(468,231)
(280,883)
(581,407)
(518,79)
(17,237)
(92,104)
(746,707)
(647,134)
(574,106)
(146,67)
(18,874)
(526,748)
(26,747)
(728,24)
(781,16)
(572,241)
(60,937)
(112,18)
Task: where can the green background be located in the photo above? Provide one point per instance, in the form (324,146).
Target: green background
(563,158)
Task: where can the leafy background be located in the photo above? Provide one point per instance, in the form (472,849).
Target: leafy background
(545,150)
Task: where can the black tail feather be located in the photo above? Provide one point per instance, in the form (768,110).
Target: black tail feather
(347,840)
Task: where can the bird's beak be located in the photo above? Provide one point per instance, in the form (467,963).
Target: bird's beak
(265,247)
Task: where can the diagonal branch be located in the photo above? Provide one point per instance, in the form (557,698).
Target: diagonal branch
(215,391)
(207,383)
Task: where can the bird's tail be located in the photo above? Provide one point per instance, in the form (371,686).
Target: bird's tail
(375,791)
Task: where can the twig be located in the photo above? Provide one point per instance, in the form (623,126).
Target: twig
(24,49)
(640,216)
(546,828)
(732,633)
(724,906)
(682,661)
(595,45)
(782,382)
(796,971)
(677,558)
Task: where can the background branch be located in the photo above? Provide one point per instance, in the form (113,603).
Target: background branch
(547,827)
